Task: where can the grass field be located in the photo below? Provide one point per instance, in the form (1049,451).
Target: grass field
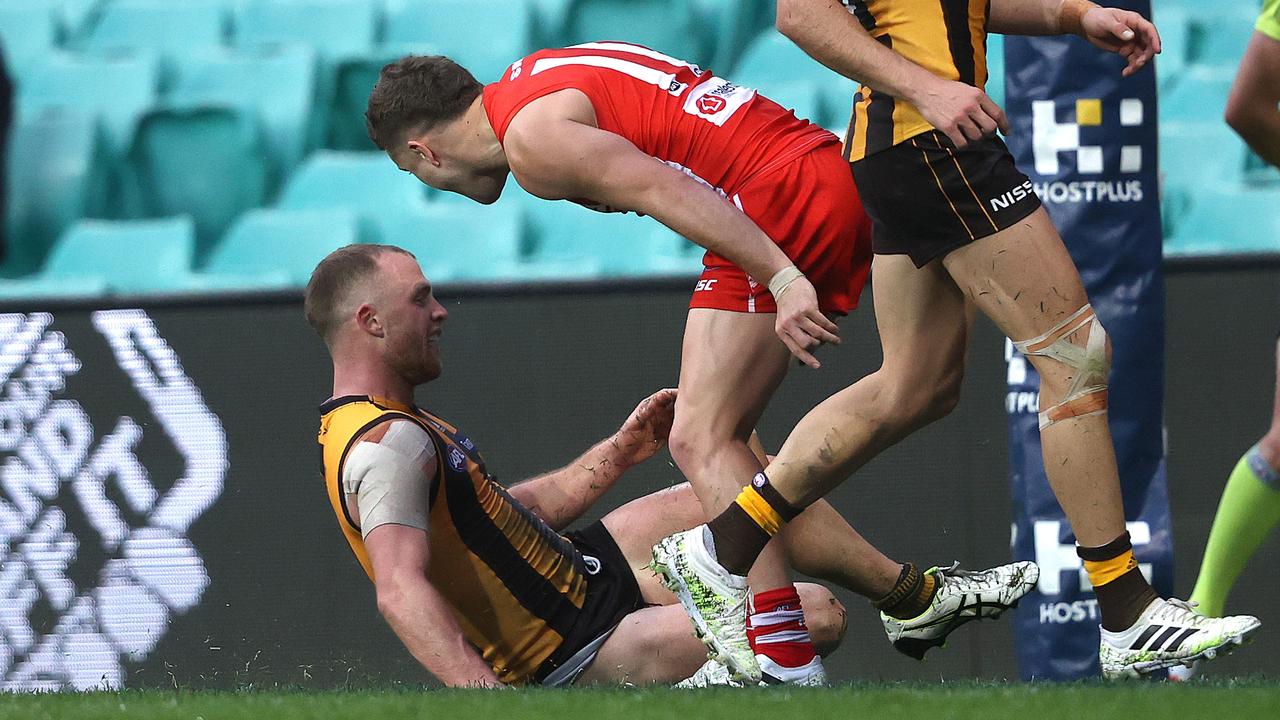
(1236,700)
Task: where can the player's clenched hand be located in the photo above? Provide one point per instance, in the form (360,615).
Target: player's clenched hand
(647,428)
(800,323)
(1125,33)
(961,112)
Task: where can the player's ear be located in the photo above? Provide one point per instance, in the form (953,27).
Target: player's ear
(421,151)
(368,321)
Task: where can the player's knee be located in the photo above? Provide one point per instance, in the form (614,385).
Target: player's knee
(1269,447)
(695,440)
(914,403)
(825,617)
(1074,362)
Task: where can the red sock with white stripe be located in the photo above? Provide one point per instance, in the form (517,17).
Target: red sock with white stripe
(780,639)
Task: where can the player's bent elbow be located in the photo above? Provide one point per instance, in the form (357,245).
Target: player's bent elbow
(787,19)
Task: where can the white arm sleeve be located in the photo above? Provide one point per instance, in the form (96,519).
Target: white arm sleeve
(391,478)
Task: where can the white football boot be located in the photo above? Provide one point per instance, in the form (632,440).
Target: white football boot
(714,598)
(962,596)
(1170,633)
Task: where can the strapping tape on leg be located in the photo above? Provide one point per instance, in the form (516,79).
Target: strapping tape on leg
(1088,392)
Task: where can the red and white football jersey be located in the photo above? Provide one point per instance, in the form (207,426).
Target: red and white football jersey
(722,134)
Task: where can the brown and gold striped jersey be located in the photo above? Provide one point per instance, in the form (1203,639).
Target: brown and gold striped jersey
(945,37)
(514,584)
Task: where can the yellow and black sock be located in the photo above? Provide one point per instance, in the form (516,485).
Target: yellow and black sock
(910,596)
(1123,593)
(744,528)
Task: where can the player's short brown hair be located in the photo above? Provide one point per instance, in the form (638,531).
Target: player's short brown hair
(334,279)
(417,92)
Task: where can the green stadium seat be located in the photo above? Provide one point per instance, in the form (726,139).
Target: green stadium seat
(333,28)
(458,241)
(781,71)
(549,18)
(206,162)
(669,26)
(276,83)
(169,28)
(368,182)
(279,248)
(1199,94)
(149,256)
(54,174)
(118,86)
(1218,37)
(28,31)
(484,36)
(619,244)
(1175,38)
(736,25)
(995,69)
(1229,221)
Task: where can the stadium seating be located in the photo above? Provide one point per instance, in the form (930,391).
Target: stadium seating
(616,243)
(1225,220)
(549,17)
(277,248)
(207,162)
(457,241)
(53,181)
(332,28)
(168,28)
(149,256)
(28,32)
(368,182)
(666,25)
(1218,36)
(484,36)
(118,86)
(784,73)
(273,83)
(152,108)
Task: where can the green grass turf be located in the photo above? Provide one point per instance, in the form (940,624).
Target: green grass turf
(1234,700)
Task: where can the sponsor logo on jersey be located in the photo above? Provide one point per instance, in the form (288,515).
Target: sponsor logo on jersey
(711,104)
(457,460)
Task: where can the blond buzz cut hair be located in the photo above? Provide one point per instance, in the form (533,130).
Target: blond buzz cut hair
(333,281)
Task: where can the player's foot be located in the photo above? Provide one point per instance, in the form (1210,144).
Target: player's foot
(1185,673)
(1168,633)
(962,596)
(811,674)
(711,674)
(715,599)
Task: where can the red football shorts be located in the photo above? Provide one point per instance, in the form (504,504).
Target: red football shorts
(811,209)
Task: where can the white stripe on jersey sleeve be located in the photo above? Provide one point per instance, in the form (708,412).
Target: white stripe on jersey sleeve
(636,50)
(651,76)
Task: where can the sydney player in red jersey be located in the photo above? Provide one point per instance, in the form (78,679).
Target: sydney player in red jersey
(619,127)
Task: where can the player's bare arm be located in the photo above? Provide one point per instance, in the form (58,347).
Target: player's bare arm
(556,152)
(386,479)
(416,611)
(1252,107)
(1123,32)
(831,35)
(562,496)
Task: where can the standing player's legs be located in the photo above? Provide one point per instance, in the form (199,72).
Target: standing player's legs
(1248,511)
(923,324)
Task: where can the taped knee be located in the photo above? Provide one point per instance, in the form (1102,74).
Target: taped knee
(1090,361)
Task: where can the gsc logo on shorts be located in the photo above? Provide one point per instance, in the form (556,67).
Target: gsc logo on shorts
(1051,137)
